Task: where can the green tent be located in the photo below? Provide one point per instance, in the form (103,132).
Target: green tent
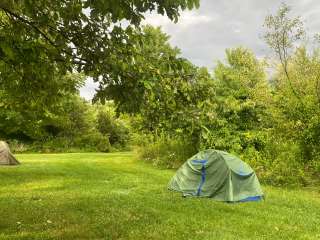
(218,175)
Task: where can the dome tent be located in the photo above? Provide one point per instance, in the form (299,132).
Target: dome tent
(218,175)
(6,157)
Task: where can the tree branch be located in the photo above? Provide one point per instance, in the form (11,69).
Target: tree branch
(37,29)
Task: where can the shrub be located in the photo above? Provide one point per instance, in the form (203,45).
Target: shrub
(166,151)
(18,147)
(104,145)
(279,163)
(116,129)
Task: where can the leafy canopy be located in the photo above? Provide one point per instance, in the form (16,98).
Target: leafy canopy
(41,40)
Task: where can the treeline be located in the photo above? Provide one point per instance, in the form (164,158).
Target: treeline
(71,124)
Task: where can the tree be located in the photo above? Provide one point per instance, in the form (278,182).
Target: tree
(28,119)
(108,125)
(153,62)
(40,41)
(162,84)
(297,81)
(282,33)
(292,122)
(167,91)
(240,103)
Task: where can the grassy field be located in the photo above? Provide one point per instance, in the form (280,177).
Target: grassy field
(112,196)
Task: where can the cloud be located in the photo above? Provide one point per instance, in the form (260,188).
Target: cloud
(187,19)
(204,34)
(89,89)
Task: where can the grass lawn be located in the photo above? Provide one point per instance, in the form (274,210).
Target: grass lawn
(112,196)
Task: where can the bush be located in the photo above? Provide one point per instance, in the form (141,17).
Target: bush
(93,142)
(18,147)
(278,164)
(104,145)
(166,151)
(116,129)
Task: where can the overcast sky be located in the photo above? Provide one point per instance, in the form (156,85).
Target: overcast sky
(203,34)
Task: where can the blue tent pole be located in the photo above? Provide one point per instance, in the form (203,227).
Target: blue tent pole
(203,174)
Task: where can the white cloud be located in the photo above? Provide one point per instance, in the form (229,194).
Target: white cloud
(203,34)
(190,18)
(186,19)
(89,89)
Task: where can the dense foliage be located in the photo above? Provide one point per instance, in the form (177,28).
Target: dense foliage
(73,124)
(153,98)
(272,122)
(43,44)
(42,40)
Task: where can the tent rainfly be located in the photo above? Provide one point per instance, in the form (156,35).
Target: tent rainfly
(6,157)
(218,175)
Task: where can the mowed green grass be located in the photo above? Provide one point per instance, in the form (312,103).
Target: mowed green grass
(113,196)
